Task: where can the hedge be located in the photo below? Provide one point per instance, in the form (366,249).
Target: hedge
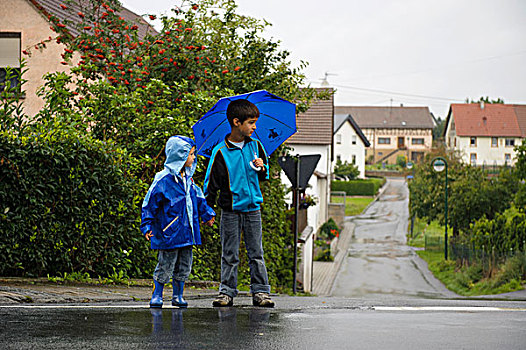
(67,204)
(358,187)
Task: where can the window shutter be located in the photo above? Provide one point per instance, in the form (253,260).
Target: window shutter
(9,51)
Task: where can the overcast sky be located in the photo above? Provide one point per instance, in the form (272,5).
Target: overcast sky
(412,52)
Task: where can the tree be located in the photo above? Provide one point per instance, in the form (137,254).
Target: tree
(486,100)
(133,94)
(346,170)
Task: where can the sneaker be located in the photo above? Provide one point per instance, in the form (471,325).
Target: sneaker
(223,300)
(262,299)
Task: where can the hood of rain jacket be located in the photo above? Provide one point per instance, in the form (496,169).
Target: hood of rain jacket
(173,204)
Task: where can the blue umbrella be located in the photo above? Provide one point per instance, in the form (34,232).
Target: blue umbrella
(276,122)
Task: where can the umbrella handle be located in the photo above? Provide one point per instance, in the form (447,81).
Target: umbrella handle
(252,164)
(254,167)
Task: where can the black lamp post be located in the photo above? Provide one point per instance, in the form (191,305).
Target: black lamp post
(439,164)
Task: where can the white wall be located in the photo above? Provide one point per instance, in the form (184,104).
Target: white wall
(486,154)
(317,214)
(346,149)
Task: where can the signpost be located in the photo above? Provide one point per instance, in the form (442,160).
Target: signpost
(298,170)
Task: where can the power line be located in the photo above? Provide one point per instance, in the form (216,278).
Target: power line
(397,93)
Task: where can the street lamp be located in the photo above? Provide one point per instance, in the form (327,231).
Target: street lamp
(439,164)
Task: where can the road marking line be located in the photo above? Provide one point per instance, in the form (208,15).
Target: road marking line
(146,306)
(445,308)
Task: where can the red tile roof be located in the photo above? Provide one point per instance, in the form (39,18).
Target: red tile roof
(473,119)
(315,125)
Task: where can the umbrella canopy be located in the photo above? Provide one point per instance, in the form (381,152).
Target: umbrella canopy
(276,122)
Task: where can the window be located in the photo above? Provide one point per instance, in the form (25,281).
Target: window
(510,142)
(354,158)
(473,141)
(9,57)
(417,141)
(380,154)
(384,140)
(473,159)
(455,142)
(338,139)
(507,158)
(353,139)
(494,142)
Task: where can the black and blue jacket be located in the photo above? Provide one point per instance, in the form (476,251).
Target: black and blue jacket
(229,173)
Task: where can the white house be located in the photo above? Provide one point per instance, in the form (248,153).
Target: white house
(314,136)
(349,142)
(485,134)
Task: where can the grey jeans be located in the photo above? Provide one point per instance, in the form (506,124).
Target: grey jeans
(232,224)
(176,263)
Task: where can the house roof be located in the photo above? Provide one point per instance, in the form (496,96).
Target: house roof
(389,117)
(315,125)
(340,119)
(52,7)
(520,112)
(474,119)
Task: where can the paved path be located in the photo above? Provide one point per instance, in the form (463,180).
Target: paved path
(379,263)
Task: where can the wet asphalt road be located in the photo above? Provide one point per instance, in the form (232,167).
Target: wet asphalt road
(243,327)
(380,264)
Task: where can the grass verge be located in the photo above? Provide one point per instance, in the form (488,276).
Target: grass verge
(469,280)
(353,205)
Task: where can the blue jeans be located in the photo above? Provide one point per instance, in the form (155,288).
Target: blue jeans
(232,224)
(176,263)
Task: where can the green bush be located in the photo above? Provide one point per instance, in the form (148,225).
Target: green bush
(356,187)
(67,204)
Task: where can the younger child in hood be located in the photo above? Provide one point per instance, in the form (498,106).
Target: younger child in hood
(170,219)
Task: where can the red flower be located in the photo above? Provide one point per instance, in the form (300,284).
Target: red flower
(64,63)
(161,51)
(63,6)
(188,29)
(152,17)
(195,7)
(115,30)
(87,27)
(167,32)
(80,14)
(25,52)
(225,71)
(150,102)
(237,68)
(60,25)
(126,82)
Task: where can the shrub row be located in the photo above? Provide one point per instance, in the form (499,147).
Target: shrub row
(67,204)
(357,187)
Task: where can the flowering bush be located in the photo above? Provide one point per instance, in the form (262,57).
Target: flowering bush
(130,93)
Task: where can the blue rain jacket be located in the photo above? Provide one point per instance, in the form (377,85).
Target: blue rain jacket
(174,203)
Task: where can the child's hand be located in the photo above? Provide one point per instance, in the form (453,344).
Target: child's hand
(148,235)
(258,162)
(210,222)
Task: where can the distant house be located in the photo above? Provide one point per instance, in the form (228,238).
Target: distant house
(485,134)
(24,24)
(350,143)
(393,131)
(314,136)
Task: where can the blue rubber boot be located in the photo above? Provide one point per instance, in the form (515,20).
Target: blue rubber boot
(177,298)
(157,295)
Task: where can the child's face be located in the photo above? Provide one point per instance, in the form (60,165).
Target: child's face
(191,158)
(247,127)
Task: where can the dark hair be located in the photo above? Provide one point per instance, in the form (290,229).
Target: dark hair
(242,110)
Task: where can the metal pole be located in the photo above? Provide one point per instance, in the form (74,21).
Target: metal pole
(296,224)
(445,238)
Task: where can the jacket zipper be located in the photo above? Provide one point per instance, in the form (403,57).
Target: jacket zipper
(247,176)
(170,224)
